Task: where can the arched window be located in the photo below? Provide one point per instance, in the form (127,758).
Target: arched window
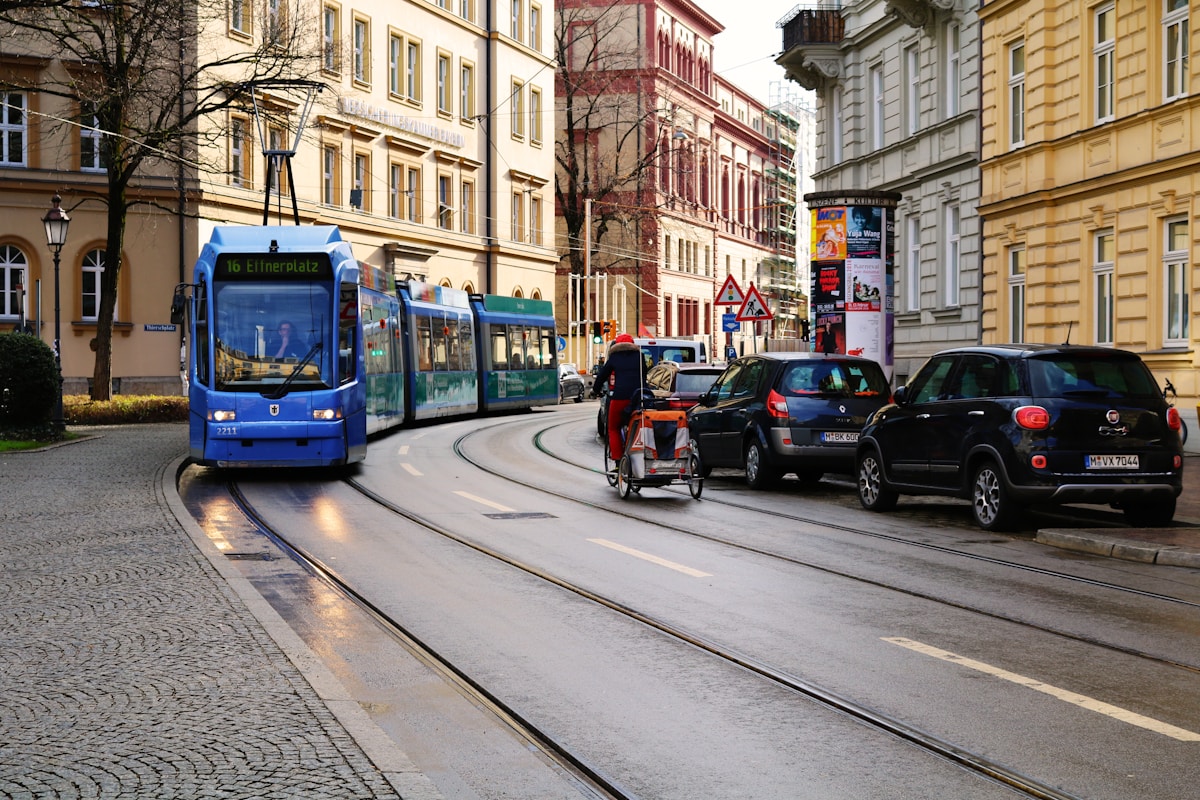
(89,285)
(14,271)
(517,292)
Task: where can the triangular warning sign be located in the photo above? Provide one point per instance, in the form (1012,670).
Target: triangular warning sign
(753,307)
(730,294)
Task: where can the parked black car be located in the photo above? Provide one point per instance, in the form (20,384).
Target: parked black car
(774,413)
(679,386)
(1006,426)
(570,383)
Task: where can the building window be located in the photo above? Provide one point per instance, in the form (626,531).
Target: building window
(1016,293)
(835,127)
(535,115)
(362,182)
(1175,48)
(276,21)
(466,10)
(517,24)
(518,214)
(241,16)
(395,64)
(953,71)
(1175,269)
(239,153)
(395,190)
(877,108)
(412,71)
(278,166)
(13,130)
(445,209)
(518,110)
(331,37)
(445,85)
(912,89)
(362,51)
(89,284)
(329,175)
(912,265)
(466,92)
(535,26)
(89,139)
(535,219)
(467,208)
(13,266)
(1102,271)
(952,264)
(1103,54)
(1016,95)
(413,194)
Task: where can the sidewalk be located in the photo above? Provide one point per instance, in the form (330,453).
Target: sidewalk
(138,664)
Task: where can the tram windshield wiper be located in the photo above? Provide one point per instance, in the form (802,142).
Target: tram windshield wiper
(283,387)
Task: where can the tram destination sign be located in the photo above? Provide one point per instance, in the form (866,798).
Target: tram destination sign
(273,266)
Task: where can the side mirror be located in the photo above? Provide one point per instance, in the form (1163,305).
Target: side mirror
(178,307)
(900,395)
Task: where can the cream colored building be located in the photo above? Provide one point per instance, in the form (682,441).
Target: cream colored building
(1090,156)
(431,147)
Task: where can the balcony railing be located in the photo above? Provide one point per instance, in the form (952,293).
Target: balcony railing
(820,23)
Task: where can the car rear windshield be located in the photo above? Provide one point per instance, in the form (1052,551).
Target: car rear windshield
(695,382)
(834,379)
(1073,376)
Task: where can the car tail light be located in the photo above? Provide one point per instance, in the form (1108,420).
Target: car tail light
(1034,418)
(777,405)
(677,403)
(1174,422)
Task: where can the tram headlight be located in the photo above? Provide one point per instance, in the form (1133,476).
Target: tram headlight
(222,415)
(326,414)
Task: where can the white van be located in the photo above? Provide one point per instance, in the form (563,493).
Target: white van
(682,351)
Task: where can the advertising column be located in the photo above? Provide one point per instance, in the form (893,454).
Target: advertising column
(853,256)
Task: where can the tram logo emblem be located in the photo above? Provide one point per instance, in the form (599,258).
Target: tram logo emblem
(274,409)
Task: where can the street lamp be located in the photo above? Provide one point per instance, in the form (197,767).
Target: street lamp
(57,222)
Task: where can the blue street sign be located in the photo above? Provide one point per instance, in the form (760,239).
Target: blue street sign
(562,343)
(729,323)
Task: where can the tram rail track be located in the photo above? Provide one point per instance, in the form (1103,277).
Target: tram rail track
(604,786)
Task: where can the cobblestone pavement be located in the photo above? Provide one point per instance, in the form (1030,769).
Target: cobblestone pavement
(130,666)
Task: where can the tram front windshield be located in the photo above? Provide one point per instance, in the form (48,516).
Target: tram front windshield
(267,333)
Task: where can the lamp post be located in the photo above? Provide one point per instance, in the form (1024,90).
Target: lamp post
(57,222)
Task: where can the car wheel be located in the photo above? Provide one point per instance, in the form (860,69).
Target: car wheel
(991,504)
(759,474)
(704,469)
(579,397)
(872,493)
(1150,515)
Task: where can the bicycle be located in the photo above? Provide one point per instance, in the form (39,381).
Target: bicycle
(1169,388)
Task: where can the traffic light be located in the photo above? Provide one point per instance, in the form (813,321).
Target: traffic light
(597,332)
(610,329)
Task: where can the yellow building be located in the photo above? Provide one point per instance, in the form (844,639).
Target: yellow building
(430,146)
(1090,150)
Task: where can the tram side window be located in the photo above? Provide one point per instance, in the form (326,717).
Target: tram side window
(548,347)
(424,344)
(438,340)
(499,336)
(516,345)
(201,344)
(466,349)
(453,357)
(346,335)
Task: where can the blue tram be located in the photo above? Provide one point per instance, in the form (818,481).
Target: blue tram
(299,351)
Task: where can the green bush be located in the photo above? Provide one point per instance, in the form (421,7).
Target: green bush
(28,382)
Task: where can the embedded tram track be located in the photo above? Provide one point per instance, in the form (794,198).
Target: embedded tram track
(601,784)
(630,513)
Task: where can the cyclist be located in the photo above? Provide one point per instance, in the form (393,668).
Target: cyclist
(623,365)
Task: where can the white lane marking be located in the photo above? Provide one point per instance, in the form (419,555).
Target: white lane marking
(403,451)
(1083,701)
(412,470)
(483,502)
(662,562)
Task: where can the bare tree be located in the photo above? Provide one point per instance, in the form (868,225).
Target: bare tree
(609,123)
(153,74)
